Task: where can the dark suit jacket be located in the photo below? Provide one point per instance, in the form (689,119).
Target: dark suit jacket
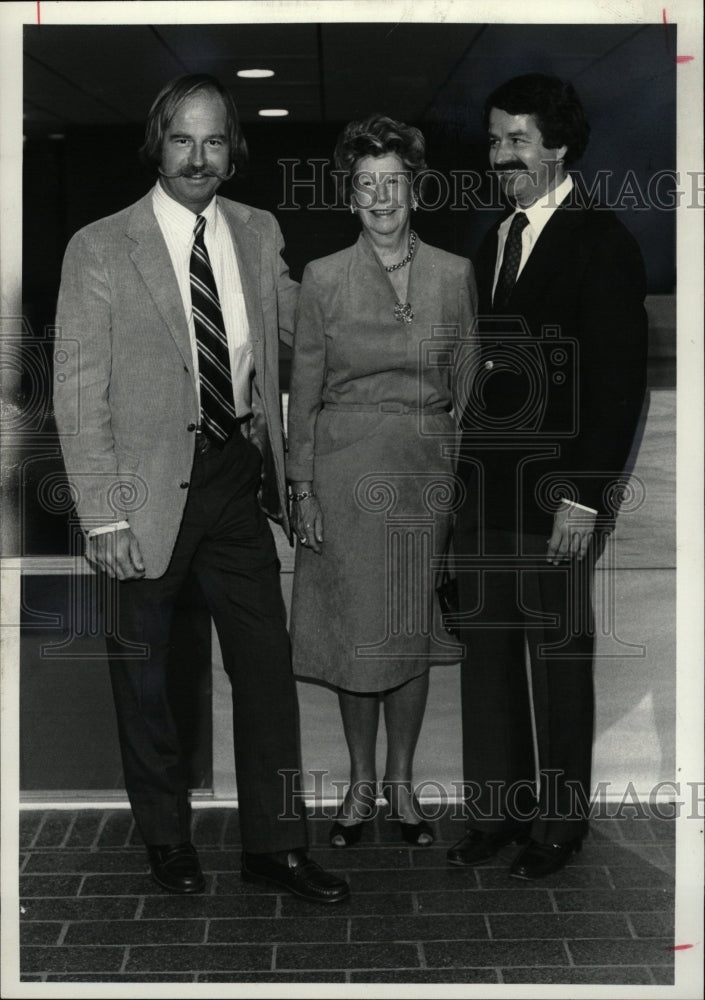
(125,394)
(558,392)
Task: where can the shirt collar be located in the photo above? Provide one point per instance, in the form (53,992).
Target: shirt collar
(541,211)
(181,218)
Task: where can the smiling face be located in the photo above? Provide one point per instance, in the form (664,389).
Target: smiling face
(527,170)
(196,151)
(382,194)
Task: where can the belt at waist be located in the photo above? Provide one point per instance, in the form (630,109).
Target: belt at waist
(398,408)
(206,445)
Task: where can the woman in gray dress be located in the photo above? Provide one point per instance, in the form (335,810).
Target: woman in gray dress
(379,326)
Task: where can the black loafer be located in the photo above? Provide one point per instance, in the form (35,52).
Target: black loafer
(176,867)
(299,874)
(478,846)
(539,860)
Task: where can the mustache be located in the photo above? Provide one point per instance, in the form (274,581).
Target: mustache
(513,165)
(196,172)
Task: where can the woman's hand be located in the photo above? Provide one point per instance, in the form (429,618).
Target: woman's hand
(307,519)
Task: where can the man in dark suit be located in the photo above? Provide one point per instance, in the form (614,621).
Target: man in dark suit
(171,312)
(551,412)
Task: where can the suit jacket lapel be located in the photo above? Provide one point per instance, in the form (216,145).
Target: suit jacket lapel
(486,260)
(246,240)
(554,246)
(151,258)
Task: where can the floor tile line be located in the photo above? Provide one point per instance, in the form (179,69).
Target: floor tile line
(348,931)
(125,959)
(62,933)
(69,831)
(488,926)
(99,832)
(420,951)
(273,960)
(630,925)
(39,829)
(608,873)
(568,953)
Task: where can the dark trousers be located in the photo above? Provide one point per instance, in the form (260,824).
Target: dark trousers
(513,601)
(226,541)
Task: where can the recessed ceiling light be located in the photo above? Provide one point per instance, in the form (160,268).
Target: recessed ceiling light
(255,74)
(273,112)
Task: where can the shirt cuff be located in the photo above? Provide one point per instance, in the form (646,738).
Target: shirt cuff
(581,506)
(104,528)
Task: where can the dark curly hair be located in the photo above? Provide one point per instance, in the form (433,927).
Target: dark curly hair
(377,136)
(553,103)
(169,100)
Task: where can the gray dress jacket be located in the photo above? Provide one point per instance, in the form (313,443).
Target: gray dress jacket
(125,395)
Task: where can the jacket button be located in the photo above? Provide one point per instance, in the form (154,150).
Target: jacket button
(191,427)
(184,485)
(489,365)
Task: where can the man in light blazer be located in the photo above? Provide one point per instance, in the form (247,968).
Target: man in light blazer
(552,410)
(170,313)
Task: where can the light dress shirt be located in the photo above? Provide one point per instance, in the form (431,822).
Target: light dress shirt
(538,215)
(177,225)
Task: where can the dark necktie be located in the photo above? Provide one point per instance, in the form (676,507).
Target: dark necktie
(217,409)
(510,261)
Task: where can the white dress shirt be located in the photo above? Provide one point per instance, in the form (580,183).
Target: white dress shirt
(177,225)
(538,215)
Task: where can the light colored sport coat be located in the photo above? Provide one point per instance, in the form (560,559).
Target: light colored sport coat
(124,389)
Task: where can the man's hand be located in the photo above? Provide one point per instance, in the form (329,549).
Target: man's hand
(572,530)
(116,552)
(307,520)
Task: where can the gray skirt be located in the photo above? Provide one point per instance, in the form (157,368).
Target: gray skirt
(364,613)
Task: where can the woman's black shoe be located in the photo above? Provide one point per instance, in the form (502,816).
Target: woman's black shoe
(417,834)
(346,836)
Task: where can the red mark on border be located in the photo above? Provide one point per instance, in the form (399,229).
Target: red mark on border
(679,947)
(39,12)
(679,59)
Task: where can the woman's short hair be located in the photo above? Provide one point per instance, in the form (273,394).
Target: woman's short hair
(377,136)
(169,100)
(553,103)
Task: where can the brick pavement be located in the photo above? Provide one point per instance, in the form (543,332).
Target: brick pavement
(91,913)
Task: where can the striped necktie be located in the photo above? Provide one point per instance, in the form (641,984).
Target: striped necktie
(510,261)
(217,409)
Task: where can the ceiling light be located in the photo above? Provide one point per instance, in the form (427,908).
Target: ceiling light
(255,74)
(273,112)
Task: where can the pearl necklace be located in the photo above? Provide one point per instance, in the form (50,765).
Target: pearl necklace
(407,259)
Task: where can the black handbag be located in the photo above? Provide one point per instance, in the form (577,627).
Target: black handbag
(447,591)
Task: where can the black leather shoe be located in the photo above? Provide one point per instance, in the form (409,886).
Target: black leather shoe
(478,846)
(176,867)
(299,874)
(539,860)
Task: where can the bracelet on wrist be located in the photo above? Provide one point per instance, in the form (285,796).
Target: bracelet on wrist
(303,495)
